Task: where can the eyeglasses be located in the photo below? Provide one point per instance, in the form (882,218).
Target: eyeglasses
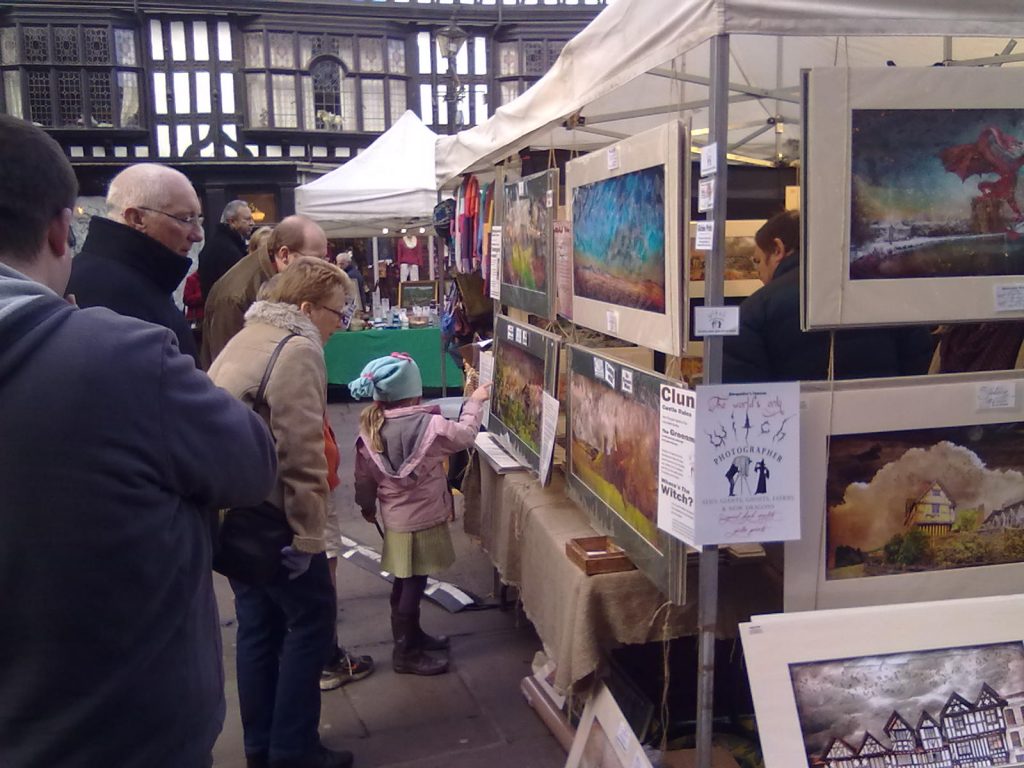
(192,220)
(344,316)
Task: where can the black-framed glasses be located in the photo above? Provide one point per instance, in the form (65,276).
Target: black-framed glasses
(344,316)
(192,220)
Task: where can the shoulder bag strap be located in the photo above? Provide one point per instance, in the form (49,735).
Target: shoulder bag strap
(270,367)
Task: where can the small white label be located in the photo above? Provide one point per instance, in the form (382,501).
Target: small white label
(526,338)
(705,235)
(709,160)
(609,375)
(705,195)
(1010,298)
(598,368)
(624,736)
(716,321)
(993,395)
(549,198)
(522,188)
(613,158)
(549,425)
(495,281)
(611,324)
(510,332)
(627,381)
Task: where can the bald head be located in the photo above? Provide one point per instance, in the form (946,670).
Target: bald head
(294,237)
(159,202)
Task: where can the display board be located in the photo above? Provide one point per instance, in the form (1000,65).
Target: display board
(629,207)
(913,489)
(604,738)
(912,213)
(525,366)
(927,684)
(612,442)
(528,255)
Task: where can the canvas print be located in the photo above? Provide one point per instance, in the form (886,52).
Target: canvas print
(957,707)
(739,255)
(924,500)
(526,252)
(934,193)
(615,442)
(618,239)
(518,392)
(418,293)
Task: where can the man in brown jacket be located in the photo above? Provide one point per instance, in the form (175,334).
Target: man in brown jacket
(233,294)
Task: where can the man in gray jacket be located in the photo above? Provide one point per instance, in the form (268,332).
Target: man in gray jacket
(113,451)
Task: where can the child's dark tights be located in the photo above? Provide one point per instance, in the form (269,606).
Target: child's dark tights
(406,594)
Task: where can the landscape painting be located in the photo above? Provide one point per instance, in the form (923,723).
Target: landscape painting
(739,251)
(618,239)
(936,708)
(517,396)
(526,251)
(924,500)
(615,441)
(935,193)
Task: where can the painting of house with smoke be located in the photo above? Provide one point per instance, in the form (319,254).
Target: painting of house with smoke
(946,708)
(924,500)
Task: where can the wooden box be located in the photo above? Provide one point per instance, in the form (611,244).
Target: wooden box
(597,554)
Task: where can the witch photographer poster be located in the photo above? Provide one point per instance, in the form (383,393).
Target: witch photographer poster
(748,463)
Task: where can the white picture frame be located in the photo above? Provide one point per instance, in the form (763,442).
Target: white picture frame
(588,178)
(907,414)
(904,252)
(843,671)
(604,739)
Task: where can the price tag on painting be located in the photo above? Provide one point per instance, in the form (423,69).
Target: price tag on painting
(495,287)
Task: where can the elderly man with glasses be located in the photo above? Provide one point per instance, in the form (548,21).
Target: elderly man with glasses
(133,259)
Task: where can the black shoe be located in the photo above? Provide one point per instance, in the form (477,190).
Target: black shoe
(427,642)
(408,657)
(322,757)
(343,671)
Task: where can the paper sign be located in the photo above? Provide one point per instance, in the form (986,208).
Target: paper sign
(598,368)
(510,332)
(716,321)
(549,424)
(705,195)
(624,736)
(486,377)
(627,381)
(748,463)
(613,158)
(609,375)
(563,263)
(612,322)
(495,283)
(1002,394)
(675,462)
(705,235)
(549,198)
(1010,297)
(709,160)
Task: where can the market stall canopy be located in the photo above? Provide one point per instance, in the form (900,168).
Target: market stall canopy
(641,62)
(389,184)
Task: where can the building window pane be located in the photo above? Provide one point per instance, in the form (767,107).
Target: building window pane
(306,45)
(160,92)
(101,100)
(327,76)
(65,45)
(254,49)
(182,93)
(8,45)
(178,40)
(256,90)
(37,46)
(204,94)
(156,39)
(426,104)
(124,45)
(227,92)
(396,57)
(200,41)
(423,46)
(184,138)
(554,51)
(12,92)
(308,113)
(40,109)
(97,45)
(480,103)
(480,55)
(348,105)
(396,93)
(508,58)
(371,54)
(128,87)
(509,91)
(282,52)
(163,140)
(286,113)
(225,49)
(344,51)
(533,58)
(69,98)
(373,105)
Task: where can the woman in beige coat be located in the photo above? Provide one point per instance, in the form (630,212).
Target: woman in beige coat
(285,629)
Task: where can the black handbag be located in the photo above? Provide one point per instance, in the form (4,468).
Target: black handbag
(249,540)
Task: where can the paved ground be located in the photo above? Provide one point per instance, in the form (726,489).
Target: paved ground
(474,716)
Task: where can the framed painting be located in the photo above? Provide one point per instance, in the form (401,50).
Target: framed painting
(612,441)
(912,489)
(629,210)
(910,195)
(604,739)
(527,250)
(936,685)
(417,293)
(739,252)
(525,366)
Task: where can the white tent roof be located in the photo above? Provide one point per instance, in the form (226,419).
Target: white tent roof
(641,62)
(388,184)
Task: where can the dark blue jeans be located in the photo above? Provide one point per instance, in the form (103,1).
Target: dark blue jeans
(284,639)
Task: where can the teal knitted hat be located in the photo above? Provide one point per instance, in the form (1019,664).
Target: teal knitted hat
(388,379)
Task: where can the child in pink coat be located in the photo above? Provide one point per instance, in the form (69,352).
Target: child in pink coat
(400,456)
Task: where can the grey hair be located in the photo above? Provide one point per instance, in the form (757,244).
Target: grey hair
(231,210)
(140,185)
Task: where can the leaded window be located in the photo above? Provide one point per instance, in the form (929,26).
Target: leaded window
(71,76)
(520,63)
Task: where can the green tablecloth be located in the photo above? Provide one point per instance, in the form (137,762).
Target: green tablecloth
(348,351)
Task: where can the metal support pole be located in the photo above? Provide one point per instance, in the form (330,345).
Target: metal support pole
(714,288)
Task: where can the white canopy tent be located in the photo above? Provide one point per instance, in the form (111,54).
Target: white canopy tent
(389,184)
(641,62)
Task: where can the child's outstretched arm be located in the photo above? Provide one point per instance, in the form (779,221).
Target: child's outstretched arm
(454,436)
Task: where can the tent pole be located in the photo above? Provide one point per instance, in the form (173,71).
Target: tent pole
(714,282)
